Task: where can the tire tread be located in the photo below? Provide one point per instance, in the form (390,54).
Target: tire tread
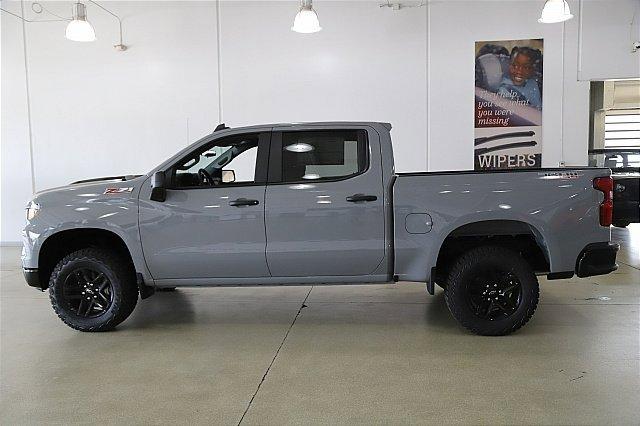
(454,289)
(122,306)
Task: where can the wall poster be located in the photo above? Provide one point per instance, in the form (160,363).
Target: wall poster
(508,104)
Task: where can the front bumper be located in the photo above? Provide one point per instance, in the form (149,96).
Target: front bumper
(32,277)
(597,259)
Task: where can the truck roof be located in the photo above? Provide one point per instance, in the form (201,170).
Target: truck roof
(387,126)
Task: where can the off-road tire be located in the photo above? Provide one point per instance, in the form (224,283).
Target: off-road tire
(123,286)
(502,259)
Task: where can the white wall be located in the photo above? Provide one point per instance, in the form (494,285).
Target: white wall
(366,64)
(607,35)
(14,155)
(98,112)
(451,70)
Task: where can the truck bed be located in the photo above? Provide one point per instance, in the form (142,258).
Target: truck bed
(558,205)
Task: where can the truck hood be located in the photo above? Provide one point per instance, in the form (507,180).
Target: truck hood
(95,187)
(110,204)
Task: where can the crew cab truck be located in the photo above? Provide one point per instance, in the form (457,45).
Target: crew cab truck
(312,204)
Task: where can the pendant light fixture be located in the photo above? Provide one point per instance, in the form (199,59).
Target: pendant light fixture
(306,21)
(555,11)
(79,29)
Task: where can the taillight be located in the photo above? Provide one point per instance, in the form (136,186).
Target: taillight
(605,185)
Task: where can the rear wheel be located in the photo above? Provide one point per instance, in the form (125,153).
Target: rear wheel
(92,290)
(491,291)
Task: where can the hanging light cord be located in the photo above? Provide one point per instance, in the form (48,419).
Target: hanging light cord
(38,8)
(112,14)
(631,32)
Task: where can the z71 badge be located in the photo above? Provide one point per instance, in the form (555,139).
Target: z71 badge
(118,190)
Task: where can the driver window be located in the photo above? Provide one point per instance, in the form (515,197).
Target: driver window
(227,161)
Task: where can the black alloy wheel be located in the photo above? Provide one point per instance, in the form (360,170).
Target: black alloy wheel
(87,292)
(494,294)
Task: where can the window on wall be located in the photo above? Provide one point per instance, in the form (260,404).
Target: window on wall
(323,155)
(622,129)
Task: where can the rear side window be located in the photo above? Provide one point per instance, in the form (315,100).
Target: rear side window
(323,154)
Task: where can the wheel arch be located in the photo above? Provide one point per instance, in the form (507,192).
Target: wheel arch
(60,243)
(517,235)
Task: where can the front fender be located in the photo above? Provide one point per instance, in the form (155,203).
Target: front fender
(85,208)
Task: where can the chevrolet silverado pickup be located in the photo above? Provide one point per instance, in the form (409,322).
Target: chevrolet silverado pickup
(316,204)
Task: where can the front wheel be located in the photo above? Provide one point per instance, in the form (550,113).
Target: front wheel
(93,290)
(492,291)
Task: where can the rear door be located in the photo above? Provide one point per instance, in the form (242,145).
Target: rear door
(324,203)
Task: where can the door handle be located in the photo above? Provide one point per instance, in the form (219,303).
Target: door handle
(355,198)
(240,202)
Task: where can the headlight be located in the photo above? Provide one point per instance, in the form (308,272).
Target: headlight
(32,211)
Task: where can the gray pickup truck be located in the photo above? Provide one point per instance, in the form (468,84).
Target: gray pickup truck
(312,204)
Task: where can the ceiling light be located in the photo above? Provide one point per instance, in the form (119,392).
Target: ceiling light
(555,11)
(79,29)
(299,147)
(306,20)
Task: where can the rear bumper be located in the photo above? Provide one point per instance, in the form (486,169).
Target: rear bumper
(597,259)
(32,277)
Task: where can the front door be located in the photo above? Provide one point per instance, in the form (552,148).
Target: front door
(211,224)
(325,203)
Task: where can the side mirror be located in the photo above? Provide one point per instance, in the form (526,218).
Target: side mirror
(158,188)
(228,176)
